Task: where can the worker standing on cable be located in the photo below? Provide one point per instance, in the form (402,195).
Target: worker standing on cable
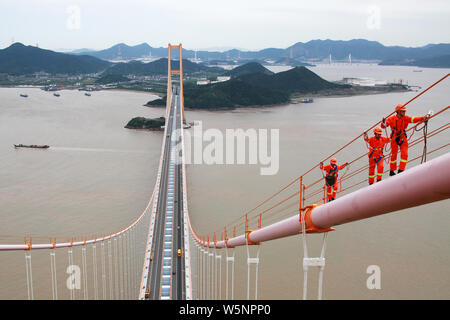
(331,177)
(376,157)
(398,124)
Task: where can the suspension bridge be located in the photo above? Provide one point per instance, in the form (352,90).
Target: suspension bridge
(161,256)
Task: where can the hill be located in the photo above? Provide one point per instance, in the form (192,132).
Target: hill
(158,67)
(231,94)
(19,59)
(363,49)
(434,62)
(120,50)
(255,89)
(296,80)
(145,123)
(111,78)
(360,49)
(293,62)
(248,68)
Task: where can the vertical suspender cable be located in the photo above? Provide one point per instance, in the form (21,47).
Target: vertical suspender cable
(116,271)
(125,266)
(322,256)
(220,278)
(132,262)
(71,286)
(305,255)
(198,272)
(103,270)
(130,270)
(53,271)
(84,277)
(29,275)
(205,274)
(94,258)
(111,292)
(120,257)
(215,275)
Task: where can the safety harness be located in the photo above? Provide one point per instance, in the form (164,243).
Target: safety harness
(399,136)
(331,177)
(376,160)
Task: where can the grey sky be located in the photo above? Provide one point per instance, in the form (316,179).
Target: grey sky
(98,24)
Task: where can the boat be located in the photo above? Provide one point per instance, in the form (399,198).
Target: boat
(308,100)
(24,95)
(31,146)
(87,94)
(56,94)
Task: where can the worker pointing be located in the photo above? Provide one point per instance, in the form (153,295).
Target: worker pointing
(331,177)
(398,124)
(376,157)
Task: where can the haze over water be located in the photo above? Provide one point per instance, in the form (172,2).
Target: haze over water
(97,177)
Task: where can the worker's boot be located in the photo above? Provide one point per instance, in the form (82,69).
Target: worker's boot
(392,173)
(399,171)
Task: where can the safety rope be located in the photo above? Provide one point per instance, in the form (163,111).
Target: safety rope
(424,129)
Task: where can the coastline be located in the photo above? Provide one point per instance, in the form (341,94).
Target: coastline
(296,98)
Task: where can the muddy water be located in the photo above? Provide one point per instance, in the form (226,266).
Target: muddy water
(98,176)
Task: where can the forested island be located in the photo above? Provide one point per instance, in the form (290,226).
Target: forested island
(254,85)
(142,123)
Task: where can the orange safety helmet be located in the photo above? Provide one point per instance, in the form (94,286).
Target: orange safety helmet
(333,161)
(400,107)
(377,130)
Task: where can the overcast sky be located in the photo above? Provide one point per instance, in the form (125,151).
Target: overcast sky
(199,24)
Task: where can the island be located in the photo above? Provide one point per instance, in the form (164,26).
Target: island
(253,85)
(141,123)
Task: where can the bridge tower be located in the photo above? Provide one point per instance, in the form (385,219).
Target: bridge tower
(169,77)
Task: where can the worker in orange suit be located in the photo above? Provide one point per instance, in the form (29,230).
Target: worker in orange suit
(398,124)
(331,177)
(376,158)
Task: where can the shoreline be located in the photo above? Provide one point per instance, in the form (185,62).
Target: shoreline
(77,89)
(296,99)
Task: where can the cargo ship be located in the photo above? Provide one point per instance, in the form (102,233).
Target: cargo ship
(31,146)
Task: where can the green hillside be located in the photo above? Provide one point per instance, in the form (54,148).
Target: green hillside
(19,59)
(145,123)
(248,68)
(296,80)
